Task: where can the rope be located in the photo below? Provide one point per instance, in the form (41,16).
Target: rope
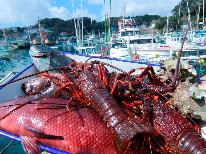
(34,74)
(97,62)
(8,145)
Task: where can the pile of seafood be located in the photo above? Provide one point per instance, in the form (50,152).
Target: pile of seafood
(85,108)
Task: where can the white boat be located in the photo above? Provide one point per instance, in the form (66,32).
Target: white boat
(87,50)
(119,50)
(144,46)
(174,39)
(129,34)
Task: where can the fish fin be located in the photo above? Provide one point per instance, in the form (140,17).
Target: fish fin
(29,145)
(39,134)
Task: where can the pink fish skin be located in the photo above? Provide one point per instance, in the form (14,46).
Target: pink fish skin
(78,130)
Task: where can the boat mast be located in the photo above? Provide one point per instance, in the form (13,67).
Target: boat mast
(203,13)
(109,29)
(198,17)
(82,25)
(179,13)
(167,30)
(91,27)
(124,9)
(79,31)
(40,31)
(105,24)
(189,17)
(29,32)
(75,26)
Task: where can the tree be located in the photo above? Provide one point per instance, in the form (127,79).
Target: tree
(173,23)
(160,23)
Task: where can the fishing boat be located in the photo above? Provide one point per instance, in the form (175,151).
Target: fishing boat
(119,50)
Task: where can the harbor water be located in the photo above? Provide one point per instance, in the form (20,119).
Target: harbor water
(13,61)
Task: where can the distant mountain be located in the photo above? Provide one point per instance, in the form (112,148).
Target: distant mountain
(57,25)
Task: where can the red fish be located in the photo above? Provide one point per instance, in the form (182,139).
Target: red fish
(49,122)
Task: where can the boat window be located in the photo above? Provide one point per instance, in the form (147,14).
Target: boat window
(90,51)
(128,33)
(135,42)
(197,36)
(202,52)
(83,51)
(189,53)
(124,34)
(142,41)
(119,45)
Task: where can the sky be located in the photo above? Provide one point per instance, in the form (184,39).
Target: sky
(25,12)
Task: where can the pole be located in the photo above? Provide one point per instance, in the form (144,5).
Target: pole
(75,26)
(40,31)
(178,61)
(167,30)
(109,30)
(82,26)
(189,18)
(198,16)
(203,13)
(179,13)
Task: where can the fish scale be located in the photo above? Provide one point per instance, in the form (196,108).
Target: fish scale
(81,128)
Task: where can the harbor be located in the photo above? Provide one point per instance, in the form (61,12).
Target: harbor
(123,80)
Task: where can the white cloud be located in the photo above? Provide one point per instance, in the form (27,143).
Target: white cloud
(59,12)
(95,2)
(138,7)
(25,12)
(84,13)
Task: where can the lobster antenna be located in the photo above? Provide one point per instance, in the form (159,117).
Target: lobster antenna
(178,61)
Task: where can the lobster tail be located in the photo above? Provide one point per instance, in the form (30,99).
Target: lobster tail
(191,142)
(178,132)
